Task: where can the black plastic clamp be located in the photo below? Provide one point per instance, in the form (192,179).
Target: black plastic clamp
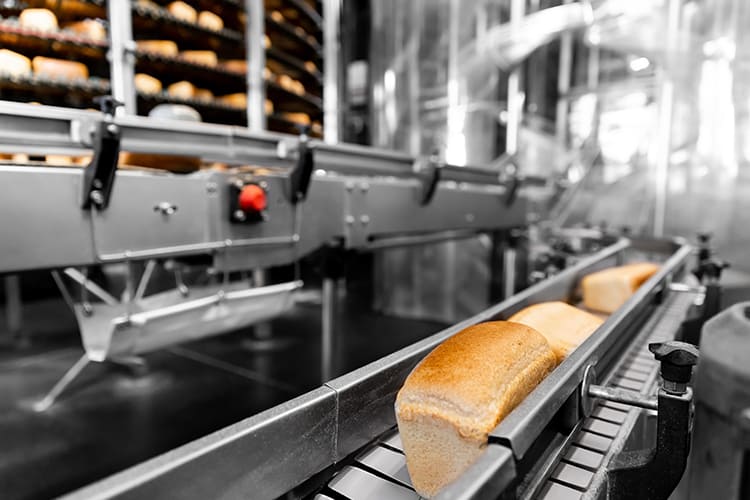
(99,175)
(301,174)
(428,169)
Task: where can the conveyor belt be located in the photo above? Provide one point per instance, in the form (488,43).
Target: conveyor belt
(578,472)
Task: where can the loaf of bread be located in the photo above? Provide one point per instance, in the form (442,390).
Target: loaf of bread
(183,11)
(147,84)
(59,68)
(458,394)
(162,47)
(266,42)
(204,57)
(268,107)
(89,28)
(607,290)
(14,64)
(210,21)
(277,16)
(15,158)
(238,100)
(38,19)
(565,327)
(182,90)
(235,65)
(310,66)
(299,118)
(203,95)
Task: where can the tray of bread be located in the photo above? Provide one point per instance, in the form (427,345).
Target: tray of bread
(306,72)
(290,38)
(299,12)
(180,21)
(54,56)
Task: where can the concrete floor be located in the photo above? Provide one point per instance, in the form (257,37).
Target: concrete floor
(112,418)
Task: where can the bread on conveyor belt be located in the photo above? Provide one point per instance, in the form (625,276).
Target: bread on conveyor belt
(161,47)
(210,21)
(173,163)
(90,28)
(204,57)
(607,290)
(59,68)
(565,327)
(13,63)
(182,90)
(235,65)
(183,11)
(38,19)
(147,84)
(457,394)
(268,107)
(238,100)
(266,42)
(291,84)
(310,66)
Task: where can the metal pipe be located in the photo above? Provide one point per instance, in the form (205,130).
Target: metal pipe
(663,146)
(624,396)
(122,55)
(45,403)
(331,42)
(509,272)
(326,351)
(256,89)
(515,95)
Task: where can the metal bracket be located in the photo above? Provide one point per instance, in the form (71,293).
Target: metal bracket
(99,175)
(427,169)
(301,174)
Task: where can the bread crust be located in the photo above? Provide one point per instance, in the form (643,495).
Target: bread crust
(459,393)
(565,327)
(608,289)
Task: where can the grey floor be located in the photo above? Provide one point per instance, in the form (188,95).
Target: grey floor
(113,418)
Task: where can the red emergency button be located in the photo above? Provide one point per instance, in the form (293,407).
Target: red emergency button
(252,198)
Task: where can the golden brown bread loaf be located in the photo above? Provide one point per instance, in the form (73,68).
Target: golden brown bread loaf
(14,63)
(608,289)
(457,394)
(565,327)
(183,11)
(235,65)
(59,68)
(238,100)
(147,84)
(89,28)
(162,47)
(210,21)
(38,19)
(182,90)
(204,57)
(300,118)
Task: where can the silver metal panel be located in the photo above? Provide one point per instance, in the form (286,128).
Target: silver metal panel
(133,226)
(366,396)
(26,231)
(261,457)
(556,491)
(332,61)
(23,126)
(572,475)
(583,457)
(167,318)
(379,205)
